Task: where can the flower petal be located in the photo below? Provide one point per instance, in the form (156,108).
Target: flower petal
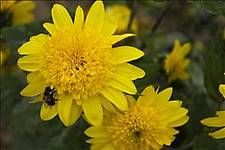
(68,110)
(95,17)
(124,54)
(93,110)
(60,16)
(129,71)
(109,28)
(34,46)
(48,112)
(222,89)
(35,87)
(164,96)
(96,132)
(147,97)
(123,84)
(214,122)
(29,63)
(79,18)
(218,134)
(116,97)
(116,38)
(49,27)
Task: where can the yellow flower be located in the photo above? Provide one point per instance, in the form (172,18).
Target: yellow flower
(16,12)
(77,62)
(176,64)
(218,121)
(149,123)
(120,14)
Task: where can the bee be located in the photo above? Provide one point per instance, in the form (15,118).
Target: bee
(49,96)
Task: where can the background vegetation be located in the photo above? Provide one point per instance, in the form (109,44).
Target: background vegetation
(202,23)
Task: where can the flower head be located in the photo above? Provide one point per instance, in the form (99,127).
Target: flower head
(149,123)
(120,14)
(176,64)
(16,12)
(218,121)
(79,63)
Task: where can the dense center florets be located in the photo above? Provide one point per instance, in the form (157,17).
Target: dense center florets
(135,129)
(77,63)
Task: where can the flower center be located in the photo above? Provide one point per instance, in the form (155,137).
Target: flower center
(79,64)
(134,129)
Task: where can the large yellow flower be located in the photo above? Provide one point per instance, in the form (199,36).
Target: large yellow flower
(77,68)
(176,64)
(218,121)
(16,12)
(148,124)
(120,15)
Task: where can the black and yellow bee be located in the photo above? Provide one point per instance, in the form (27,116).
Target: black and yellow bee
(49,96)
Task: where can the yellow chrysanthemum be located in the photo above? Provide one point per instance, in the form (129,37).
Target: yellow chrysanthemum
(79,65)
(16,12)
(218,121)
(176,64)
(120,14)
(148,124)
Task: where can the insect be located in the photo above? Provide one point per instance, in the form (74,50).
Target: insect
(49,96)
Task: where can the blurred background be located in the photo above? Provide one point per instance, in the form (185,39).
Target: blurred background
(157,25)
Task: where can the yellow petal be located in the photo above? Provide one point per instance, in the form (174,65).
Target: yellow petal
(164,96)
(109,28)
(129,71)
(34,46)
(116,38)
(179,122)
(122,84)
(32,76)
(116,97)
(49,27)
(98,140)
(79,18)
(96,132)
(131,100)
(93,110)
(61,17)
(124,54)
(48,112)
(34,88)
(147,97)
(107,104)
(222,89)
(68,110)
(95,17)
(218,134)
(175,114)
(214,122)
(29,63)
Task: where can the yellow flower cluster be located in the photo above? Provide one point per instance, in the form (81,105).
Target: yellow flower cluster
(76,69)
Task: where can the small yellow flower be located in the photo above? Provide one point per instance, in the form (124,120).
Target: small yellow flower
(218,121)
(176,64)
(149,123)
(75,68)
(16,12)
(120,14)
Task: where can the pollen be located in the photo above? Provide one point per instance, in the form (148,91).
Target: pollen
(76,63)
